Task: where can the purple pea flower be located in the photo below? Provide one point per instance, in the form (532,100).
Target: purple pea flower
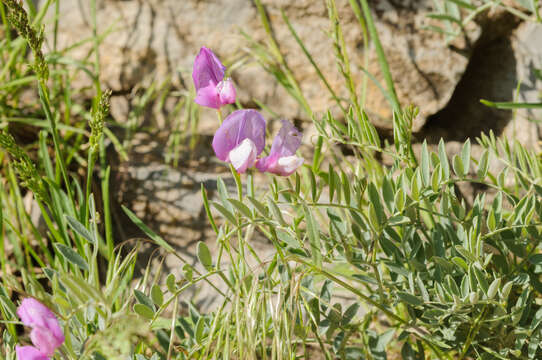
(46,334)
(212,90)
(282,159)
(29,353)
(240,139)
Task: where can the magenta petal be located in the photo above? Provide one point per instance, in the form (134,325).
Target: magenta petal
(284,145)
(226,92)
(207,69)
(208,75)
(29,353)
(54,327)
(287,140)
(208,96)
(238,126)
(266,162)
(44,340)
(35,314)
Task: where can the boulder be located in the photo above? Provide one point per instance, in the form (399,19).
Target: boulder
(157,40)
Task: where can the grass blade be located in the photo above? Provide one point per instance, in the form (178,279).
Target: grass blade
(151,234)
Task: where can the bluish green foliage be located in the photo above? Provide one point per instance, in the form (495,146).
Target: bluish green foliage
(369,259)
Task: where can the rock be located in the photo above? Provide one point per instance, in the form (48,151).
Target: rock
(491,74)
(525,123)
(503,67)
(158,40)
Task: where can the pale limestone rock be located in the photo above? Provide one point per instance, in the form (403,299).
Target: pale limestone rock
(157,40)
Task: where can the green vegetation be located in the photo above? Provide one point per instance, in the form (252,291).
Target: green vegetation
(370,260)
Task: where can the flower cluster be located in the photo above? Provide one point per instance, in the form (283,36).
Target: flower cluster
(240,140)
(46,334)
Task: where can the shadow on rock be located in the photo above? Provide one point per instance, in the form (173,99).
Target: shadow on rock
(491,74)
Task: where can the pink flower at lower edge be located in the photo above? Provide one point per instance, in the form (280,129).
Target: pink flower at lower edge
(29,353)
(282,159)
(212,89)
(46,334)
(44,340)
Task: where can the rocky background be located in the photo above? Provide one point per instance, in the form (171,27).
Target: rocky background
(151,41)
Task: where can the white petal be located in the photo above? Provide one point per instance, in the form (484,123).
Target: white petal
(288,164)
(244,155)
(226,92)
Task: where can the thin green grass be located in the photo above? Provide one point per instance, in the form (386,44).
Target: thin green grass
(367,258)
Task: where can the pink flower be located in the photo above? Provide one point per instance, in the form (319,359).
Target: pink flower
(282,159)
(44,340)
(46,334)
(240,139)
(212,90)
(29,353)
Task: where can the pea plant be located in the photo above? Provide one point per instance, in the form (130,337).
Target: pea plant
(371,259)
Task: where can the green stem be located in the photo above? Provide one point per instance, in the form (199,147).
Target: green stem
(377,273)
(3,257)
(317,154)
(381,55)
(31,8)
(342,56)
(107,214)
(55,29)
(311,60)
(472,330)
(96,44)
(90,169)
(44,98)
(7,28)
(173,323)
(498,231)
(357,11)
